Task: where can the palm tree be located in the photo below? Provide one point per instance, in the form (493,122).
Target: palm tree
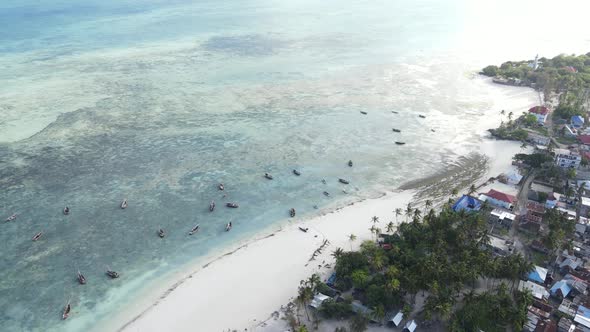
(398,212)
(472,189)
(409,211)
(503,112)
(351,238)
(379,313)
(523,145)
(337,253)
(417,214)
(305,296)
(375,220)
(390,227)
(454,192)
(428,204)
(510,116)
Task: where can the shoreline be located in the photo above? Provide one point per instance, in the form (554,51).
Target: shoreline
(271,255)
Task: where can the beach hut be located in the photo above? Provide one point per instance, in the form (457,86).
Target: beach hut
(397,319)
(467,203)
(538,275)
(317,300)
(410,326)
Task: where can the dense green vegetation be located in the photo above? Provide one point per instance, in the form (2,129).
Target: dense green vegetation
(439,255)
(566,75)
(491,311)
(510,133)
(535,160)
(561,230)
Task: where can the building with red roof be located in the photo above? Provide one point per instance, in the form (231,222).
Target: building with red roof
(584,139)
(540,112)
(498,198)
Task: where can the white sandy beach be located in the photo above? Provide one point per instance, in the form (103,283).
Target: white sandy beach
(241,290)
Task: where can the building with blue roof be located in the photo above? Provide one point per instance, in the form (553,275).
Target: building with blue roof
(561,289)
(577,121)
(538,275)
(467,203)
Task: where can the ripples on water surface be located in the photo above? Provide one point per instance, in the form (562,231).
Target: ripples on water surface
(158,102)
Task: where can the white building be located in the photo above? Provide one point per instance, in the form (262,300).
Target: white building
(498,199)
(540,112)
(567,159)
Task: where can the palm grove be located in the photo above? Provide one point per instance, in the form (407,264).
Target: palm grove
(443,258)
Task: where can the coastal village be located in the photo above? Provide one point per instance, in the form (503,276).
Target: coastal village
(535,226)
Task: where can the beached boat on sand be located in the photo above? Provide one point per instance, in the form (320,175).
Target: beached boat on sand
(303,229)
(422,116)
(396,130)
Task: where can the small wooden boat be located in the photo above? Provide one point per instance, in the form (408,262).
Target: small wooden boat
(37,236)
(66,312)
(432,130)
(400,143)
(326,193)
(194,230)
(292,212)
(211,206)
(220,186)
(396,130)
(422,116)
(268,176)
(124,204)
(323,181)
(350,163)
(66,210)
(363,112)
(343,181)
(81,278)
(232,205)
(112,274)
(11,218)
(394,112)
(161,233)
(303,229)
(228,226)
(296,172)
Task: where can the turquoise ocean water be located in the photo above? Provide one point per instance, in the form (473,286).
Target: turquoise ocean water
(158,101)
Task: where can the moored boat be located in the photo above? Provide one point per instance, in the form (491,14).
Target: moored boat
(343,181)
(161,233)
(422,116)
(363,112)
(11,218)
(292,212)
(81,278)
(112,274)
(66,312)
(228,226)
(396,130)
(211,206)
(394,112)
(350,163)
(326,193)
(296,172)
(220,186)
(268,176)
(37,236)
(66,210)
(400,143)
(194,230)
(232,205)
(124,204)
